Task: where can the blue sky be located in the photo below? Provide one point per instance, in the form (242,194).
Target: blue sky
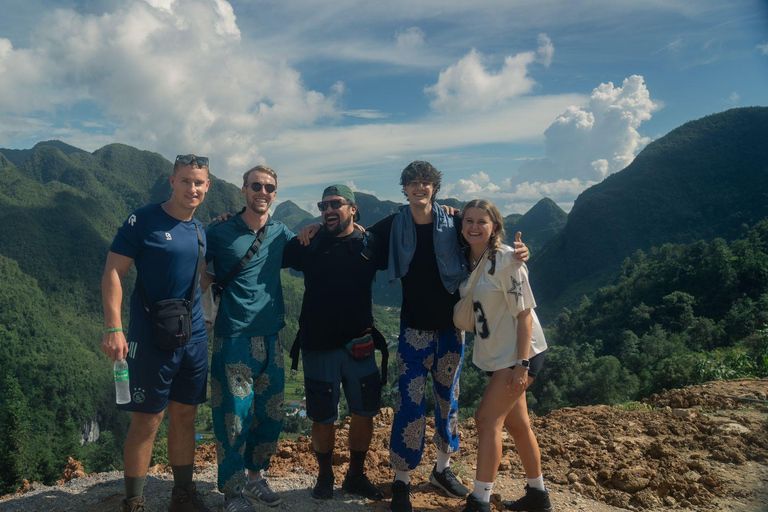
(512,100)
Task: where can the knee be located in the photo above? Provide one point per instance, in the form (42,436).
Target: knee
(145,424)
(486,422)
(181,414)
(518,428)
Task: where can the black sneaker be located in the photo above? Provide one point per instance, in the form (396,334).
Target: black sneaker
(401,497)
(324,487)
(448,482)
(360,485)
(475,505)
(535,500)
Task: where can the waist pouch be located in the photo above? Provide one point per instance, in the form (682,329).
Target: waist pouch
(171,323)
(362,347)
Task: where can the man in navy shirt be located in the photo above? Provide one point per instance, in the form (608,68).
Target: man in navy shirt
(163,241)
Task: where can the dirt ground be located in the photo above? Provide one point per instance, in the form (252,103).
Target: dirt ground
(702,448)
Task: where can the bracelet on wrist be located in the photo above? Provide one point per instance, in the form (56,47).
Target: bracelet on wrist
(114,329)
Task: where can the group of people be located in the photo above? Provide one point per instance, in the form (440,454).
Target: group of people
(430,249)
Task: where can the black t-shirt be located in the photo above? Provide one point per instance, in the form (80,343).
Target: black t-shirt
(427,305)
(337,286)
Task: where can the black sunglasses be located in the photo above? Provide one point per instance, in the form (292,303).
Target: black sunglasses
(335,204)
(201,161)
(256,187)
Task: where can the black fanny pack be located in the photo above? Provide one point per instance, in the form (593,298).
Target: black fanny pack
(171,319)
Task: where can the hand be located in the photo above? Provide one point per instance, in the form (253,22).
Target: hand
(361,228)
(519,380)
(521,251)
(114,346)
(308,232)
(222,218)
(450,210)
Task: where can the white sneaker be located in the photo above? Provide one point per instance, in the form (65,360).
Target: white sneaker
(260,491)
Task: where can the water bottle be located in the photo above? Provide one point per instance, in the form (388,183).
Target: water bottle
(122,384)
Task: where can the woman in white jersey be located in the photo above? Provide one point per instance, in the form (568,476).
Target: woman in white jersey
(509,346)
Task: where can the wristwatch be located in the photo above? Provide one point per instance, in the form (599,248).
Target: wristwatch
(525,363)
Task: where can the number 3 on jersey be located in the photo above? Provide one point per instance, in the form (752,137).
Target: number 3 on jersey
(480,315)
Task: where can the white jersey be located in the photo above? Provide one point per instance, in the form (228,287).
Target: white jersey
(498,299)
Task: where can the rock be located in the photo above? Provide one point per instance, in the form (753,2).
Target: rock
(631,480)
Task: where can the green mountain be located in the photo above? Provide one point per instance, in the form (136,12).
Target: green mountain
(290,214)
(60,207)
(705,179)
(539,224)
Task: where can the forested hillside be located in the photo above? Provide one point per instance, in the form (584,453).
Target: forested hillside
(703,180)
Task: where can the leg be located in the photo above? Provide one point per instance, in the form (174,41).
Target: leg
(519,427)
(360,433)
(181,433)
(139,442)
(323,437)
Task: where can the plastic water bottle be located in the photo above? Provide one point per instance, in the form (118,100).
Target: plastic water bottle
(122,384)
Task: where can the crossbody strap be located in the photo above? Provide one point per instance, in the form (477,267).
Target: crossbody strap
(240,265)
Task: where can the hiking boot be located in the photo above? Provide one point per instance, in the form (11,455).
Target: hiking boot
(535,500)
(401,497)
(448,482)
(360,485)
(475,505)
(260,491)
(187,500)
(238,503)
(324,487)
(135,504)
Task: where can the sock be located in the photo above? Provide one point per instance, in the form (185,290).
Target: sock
(325,462)
(259,475)
(356,463)
(537,483)
(443,461)
(182,475)
(134,486)
(403,476)
(482,491)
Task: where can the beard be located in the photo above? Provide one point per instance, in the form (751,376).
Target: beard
(339,228)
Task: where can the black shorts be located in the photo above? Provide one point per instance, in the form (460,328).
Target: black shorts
(537,363)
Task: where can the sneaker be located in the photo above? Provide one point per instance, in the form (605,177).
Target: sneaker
(361,486)
(535,500)
(135,504)
(475,505)
(260,491)
(238,503)
(187,500)
(401,497)
(448,482)
(324,487)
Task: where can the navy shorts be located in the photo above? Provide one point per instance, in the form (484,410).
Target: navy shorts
(537,363)
(325,371)
(157,376)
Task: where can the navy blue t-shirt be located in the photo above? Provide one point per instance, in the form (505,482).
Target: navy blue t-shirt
(165,251)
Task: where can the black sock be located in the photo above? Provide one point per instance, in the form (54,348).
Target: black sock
(356,463)
(182,475)
(134,486)
(325,461)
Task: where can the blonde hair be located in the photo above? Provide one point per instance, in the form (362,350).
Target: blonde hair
(498,236)
(262,169)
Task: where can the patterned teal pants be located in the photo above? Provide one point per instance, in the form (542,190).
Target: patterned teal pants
(247,384)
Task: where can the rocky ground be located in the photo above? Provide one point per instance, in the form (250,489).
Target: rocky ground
(702,448)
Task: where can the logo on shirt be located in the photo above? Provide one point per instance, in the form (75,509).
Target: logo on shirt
(516,290)
(168,236)
(132,220)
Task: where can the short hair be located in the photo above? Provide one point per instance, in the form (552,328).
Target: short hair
(499,235)
(177,165)
(259,168)
(424,171)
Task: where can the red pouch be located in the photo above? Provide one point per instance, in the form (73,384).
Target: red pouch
(362,347)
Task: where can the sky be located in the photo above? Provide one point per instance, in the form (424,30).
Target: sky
(512,100)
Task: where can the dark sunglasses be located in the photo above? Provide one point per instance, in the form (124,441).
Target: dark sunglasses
(201,161)
(256,187)
(335,204)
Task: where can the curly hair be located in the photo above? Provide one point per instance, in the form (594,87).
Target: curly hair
(498,236)
(421,171)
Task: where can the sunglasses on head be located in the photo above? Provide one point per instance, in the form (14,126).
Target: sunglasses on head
(201,161)
(334,203)
(256,187)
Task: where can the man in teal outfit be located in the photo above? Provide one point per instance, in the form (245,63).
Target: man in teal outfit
(247,375)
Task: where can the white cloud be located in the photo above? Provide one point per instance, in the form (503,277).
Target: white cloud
(468,85)
(168,80)
(410,38)
(366,113)
(733,99)
(762,48)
